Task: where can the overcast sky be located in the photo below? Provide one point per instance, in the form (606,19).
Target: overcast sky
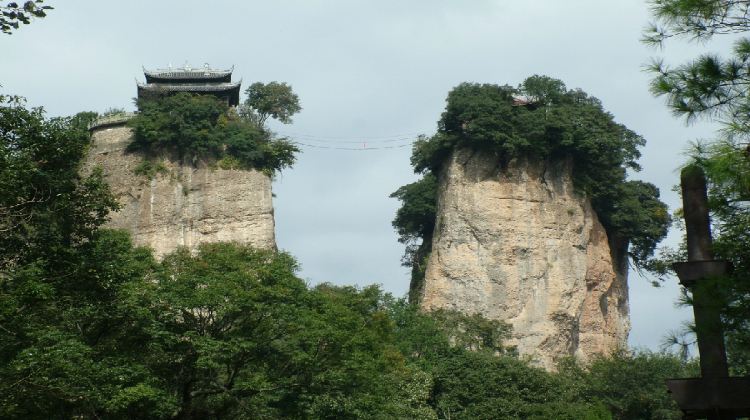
(368,73)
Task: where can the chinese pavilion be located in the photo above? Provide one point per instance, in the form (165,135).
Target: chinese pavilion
(186,79)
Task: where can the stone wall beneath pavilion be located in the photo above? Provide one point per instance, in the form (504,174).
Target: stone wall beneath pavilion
(184,203)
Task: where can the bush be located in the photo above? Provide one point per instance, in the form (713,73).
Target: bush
(203,127)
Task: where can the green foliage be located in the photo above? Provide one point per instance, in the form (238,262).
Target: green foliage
(470,385)
(65,343)
(697,19)
(12,15)
(61,279)
(184,122)
(274,99)
(542,121)
(203,127)
(228,163)
(199,334)
(113,111)
(234,333)
(710,85)
(414,222)
(569,123)
(473,332)
(415,219)
(567,411)
(635,209)
(150,168)
(631,386)
(44,202)
(473,377)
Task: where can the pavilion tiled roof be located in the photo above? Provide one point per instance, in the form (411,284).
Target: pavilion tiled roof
(188,73)
(187,79)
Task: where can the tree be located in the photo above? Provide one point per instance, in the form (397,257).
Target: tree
(274,99)
(709,86)
(14,14)
(719,89)
(414,222)
(629,385)
(415,219)
(203,127)
(62,279)
(231,332)
(44,202)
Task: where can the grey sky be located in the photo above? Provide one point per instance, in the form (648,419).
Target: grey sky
(363,70)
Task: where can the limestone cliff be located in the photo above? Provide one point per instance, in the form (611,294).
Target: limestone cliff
(517,243)
(184,203)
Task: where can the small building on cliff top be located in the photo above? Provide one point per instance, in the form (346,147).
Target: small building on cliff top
(204,80)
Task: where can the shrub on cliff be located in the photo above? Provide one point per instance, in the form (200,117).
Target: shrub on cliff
(203,127)
(631,385)
(541,120)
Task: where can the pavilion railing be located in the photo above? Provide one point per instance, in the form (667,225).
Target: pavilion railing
(110,120)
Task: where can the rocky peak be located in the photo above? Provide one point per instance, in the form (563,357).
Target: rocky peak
(515,242)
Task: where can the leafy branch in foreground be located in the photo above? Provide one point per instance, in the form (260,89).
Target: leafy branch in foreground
(708,86)
(12,15)
(698,19)
(270,100)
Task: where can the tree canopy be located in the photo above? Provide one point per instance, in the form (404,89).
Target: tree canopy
(44,202)
(275,100)
(709,86)
(60,276)
(203,127)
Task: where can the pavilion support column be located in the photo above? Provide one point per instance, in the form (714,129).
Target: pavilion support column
(713,396)
(707,300)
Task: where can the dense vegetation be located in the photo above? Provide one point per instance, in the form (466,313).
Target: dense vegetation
(203,127)
(91,327)
(540,120)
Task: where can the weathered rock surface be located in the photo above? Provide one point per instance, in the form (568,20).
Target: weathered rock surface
(517,244)
(184,204)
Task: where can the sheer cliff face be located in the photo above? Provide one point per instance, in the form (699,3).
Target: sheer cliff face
(183,204)
(517,244)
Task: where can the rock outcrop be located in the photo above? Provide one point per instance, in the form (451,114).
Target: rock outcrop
(516,243)
(183,203)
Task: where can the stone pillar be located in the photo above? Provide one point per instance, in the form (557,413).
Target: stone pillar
(516,243)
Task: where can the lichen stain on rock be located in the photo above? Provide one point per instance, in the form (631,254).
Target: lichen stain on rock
(516,243)
(185,205)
